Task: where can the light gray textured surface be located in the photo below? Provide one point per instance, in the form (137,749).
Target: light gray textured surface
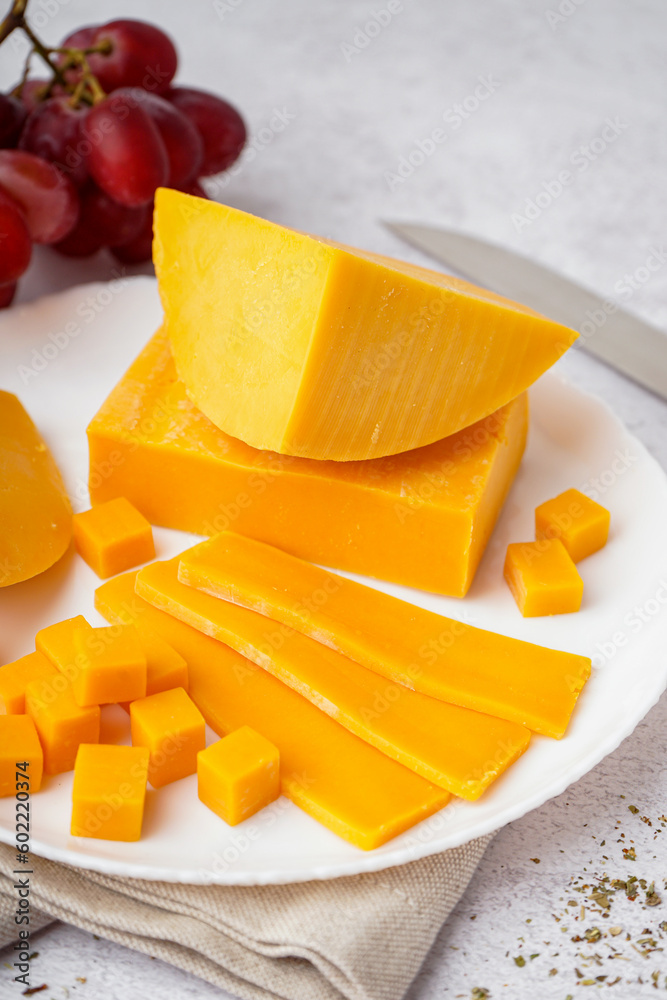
(359,113)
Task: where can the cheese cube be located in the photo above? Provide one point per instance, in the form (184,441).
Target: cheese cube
(113,537)
(61,724)
(15,676)
(581,524)
(21,756)
(173,729)
(165,668)
(109,792)
(543,578)
(56,643)
(112,665)
(238,775)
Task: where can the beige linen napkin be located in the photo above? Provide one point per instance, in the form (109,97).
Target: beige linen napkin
(362,937)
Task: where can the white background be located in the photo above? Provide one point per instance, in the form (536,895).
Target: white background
(357,111)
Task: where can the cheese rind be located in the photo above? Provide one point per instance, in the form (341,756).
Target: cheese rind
(314,349)
(441,657)
(345,784)
(422,518)
(460,750)
(35,512)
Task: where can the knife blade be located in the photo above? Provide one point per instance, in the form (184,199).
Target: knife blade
(607,331)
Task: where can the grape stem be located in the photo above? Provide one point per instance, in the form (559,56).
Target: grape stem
(87,88)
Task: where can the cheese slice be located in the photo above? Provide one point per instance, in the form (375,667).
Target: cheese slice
(35,512)
(459,750)
(341,781)
(307,347)
(441,657)
(422,518)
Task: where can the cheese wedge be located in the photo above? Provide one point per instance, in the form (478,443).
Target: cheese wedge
(441,657)
(422,518)
(338,779)
(35,512)
(307,347)
(459,750)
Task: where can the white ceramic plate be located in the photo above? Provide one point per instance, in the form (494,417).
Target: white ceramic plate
(63,354)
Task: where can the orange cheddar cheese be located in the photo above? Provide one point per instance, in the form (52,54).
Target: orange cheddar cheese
(441,657)
(35,512)
(238,775)
(113,537)
(348,786)
(112,665)
(165,668)
(581,524)
(422,518)
(61,724)
(109,792)
(543,578)
(173,729)
(310,348)
(14,677)
(56,643)
(460,750)
(21,758)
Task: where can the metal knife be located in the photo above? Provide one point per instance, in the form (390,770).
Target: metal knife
(630,345)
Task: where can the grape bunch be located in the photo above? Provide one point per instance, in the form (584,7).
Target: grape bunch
(83,151)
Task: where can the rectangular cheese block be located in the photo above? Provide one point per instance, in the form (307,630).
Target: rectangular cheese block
(308,347)
(441,657)
(460,750)
(345,784)
(422,518)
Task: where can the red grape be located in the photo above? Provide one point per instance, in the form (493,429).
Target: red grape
(141,55)
(84,239)
(219,124)
(114,223)
(33,92)
(12,117)
(139,249)
(55,131)
(7,293)
(15,245)
(82,38)
(182,141)
(131,160)
(46,197)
